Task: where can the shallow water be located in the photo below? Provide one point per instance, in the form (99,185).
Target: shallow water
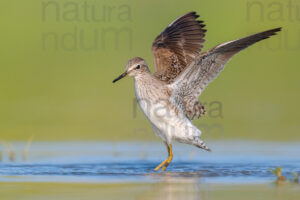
(123,162)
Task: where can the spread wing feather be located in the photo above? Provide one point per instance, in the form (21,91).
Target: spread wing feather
(177,46)
(188,86)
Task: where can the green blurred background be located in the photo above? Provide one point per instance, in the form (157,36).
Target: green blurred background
(58,62)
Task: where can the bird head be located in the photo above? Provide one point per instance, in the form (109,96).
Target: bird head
(135,67)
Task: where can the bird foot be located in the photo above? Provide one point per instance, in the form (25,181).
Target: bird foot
(164,164)
(161,164)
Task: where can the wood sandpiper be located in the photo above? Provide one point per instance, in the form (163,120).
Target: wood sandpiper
(169,98)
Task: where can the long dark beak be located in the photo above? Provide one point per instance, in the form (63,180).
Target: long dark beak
(120,77)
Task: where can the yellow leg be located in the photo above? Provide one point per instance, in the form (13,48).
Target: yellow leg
(169,159)
(166,162)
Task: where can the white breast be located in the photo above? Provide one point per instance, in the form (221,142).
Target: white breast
(159,112)
(168,121)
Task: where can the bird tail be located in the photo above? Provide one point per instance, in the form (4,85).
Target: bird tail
(200,144)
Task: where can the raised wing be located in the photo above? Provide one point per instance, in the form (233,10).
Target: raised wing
(177,46)
(188,86)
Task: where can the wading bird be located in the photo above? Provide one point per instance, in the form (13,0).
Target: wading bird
(169,98)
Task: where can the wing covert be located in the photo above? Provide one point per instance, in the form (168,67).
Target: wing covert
(177,46)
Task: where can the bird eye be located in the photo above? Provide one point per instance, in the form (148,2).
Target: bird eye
(138,66)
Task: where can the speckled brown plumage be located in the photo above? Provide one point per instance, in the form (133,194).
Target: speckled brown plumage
(177,53)
(205,68)
(177,46)
(169,98)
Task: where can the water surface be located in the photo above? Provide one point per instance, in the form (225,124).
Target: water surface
(123,162)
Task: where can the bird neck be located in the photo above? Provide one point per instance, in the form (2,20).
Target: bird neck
(145,77)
